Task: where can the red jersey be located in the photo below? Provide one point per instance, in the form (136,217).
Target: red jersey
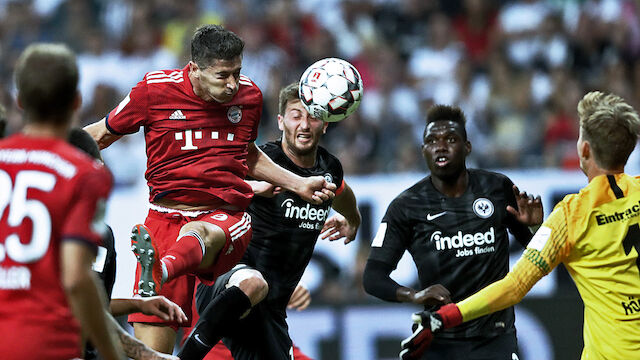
(196,150)
(49,192)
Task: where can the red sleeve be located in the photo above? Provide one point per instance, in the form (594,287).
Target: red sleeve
(340,188)
(85,220)
(131,113)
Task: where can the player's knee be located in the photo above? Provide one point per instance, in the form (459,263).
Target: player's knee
(251,283)
(211,235)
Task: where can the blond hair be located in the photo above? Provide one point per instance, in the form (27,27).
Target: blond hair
(611,126)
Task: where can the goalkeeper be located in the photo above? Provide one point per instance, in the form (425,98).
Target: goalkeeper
(595,233)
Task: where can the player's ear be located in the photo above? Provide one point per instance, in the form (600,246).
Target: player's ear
(467,147)
(193,67)
(325,125)
(280,122)
(585,149)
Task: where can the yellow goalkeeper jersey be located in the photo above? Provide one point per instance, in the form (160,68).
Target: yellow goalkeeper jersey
(596,234)
(600,226)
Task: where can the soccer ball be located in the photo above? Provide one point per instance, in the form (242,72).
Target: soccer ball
(331,89)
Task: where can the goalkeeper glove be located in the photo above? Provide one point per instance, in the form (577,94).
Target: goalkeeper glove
(425,324)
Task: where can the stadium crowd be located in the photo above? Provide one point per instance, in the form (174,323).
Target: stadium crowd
(517,68)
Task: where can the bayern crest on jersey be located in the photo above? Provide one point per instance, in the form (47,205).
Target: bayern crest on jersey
(234,114)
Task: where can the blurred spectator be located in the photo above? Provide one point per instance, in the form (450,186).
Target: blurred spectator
(142,51)
(404,23)
(514,129)
(561,127)
(519,23)
(261,60)
(19,27)
(434,62)
(104,98)
(475,28)
(71,20)
(97,64)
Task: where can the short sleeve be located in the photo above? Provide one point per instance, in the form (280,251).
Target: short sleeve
(388,246)
(131,113)
(85,219)
(338,173)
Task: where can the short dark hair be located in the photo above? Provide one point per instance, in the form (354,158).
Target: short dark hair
(47,80)
(83,141)
(213,42)
(447,113)
(287,94)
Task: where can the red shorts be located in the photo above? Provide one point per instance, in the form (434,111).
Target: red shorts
(165,227)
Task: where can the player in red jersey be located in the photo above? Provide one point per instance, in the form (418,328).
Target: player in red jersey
(200,125)
(105,268)
(52,200)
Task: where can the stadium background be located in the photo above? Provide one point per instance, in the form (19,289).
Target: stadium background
(517,69)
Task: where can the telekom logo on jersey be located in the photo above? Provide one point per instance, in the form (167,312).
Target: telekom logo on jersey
(190,135)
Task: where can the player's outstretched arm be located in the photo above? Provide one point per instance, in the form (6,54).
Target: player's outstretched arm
(263,188)
(345,225)
(133,347)
(314,189)
(86,298)
(529,210)
(101,134)
(155,305)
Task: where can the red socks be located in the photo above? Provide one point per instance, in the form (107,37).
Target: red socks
(184,256)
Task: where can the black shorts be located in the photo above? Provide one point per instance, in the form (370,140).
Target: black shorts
(500,347)
(262,335)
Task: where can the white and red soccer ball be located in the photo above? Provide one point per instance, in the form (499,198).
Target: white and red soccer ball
(331,89)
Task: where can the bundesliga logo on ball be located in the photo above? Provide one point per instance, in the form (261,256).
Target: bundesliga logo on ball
(331,89)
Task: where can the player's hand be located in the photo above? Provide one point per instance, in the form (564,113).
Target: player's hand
(433,295)
(529,210)
(425,324)
(316,190)
(300,299)
(337,227)
(264,188)
(415,345)
(161,307)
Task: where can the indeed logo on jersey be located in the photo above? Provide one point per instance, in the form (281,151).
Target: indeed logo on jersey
(304,213)
(464,242)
